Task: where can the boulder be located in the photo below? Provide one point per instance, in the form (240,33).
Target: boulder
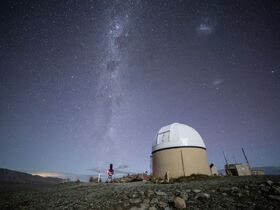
(180,203)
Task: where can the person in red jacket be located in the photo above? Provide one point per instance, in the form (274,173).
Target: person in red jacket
(110,173)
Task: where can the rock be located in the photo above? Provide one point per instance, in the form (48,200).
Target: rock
(196,190)
(234,189)
(136,208)
(240,205)
(159,193)
(202,195)
(149,193)
(126,204)
(188,190)
(185,196)
(153,201)
(162,205)
(180,203)
(152,208)
(135,200)
(224,189)
(134,195)
(274,197)
(265,188)
(269,182)
(177,193)
(224,194)
(276,190)
(246,187)
(145,203)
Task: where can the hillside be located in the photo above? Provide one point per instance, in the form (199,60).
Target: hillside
(11,176)
(252,192)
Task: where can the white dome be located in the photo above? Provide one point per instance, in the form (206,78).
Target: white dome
(177,135)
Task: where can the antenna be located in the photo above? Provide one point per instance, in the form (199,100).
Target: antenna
(246,158)
(227,170)
(225,158)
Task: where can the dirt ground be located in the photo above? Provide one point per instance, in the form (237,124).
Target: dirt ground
(254,192)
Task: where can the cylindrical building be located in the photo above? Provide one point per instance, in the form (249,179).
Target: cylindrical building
(179,151)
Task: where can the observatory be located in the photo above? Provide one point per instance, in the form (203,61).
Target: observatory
(179,150)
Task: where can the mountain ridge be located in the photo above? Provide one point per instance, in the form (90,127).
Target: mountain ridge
(13,176)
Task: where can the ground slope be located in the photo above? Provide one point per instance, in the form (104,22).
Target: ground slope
(262,192)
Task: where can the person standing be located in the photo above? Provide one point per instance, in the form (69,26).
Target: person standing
(110,173)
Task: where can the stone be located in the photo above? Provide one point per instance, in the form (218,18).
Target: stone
(180,203)
(196,190)
(153,201)
(187,190)
(274,197)
(143,206)
(234,189)
(269,182)
(162,205)
(202,195)
(276,190)
(177,193)
(185,196)
(136,208)
(145,203)
(135,200)
(134,195)
(239,194)
(159,193)
(149,193)
(224,189)
(240,205)
(152,208)
(265,188)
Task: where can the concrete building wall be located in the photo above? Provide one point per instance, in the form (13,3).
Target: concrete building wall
(183,161)
(243,170)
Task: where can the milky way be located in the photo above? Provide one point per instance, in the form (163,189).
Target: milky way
(110,84)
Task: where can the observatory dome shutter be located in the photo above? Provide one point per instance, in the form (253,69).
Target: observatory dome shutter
(163,137)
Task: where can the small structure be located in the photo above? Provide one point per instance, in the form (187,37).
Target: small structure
(179,150)
(238,169)
(214,170)
(257,171)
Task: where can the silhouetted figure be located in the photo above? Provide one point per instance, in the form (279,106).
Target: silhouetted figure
(110,173)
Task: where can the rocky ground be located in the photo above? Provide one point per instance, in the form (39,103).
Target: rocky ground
(262,192)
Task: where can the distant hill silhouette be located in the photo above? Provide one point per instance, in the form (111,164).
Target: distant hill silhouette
(271,170)
(11,176)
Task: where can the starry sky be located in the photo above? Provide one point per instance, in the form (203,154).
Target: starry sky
(88,83)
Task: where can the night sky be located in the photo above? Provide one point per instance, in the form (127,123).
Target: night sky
(88,83)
